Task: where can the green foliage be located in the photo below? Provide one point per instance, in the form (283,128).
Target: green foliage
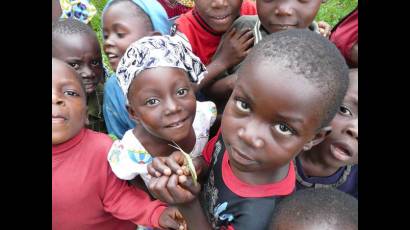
(334,10)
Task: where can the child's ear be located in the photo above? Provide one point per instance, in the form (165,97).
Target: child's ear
(319,137)
(132,114)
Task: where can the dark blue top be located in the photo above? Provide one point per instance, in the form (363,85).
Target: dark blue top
(348,185)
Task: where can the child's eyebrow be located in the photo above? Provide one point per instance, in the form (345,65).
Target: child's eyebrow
(245,95)
(289,118)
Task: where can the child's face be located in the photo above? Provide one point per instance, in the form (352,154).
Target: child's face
(163,101)
(219,14)
(340,148)
(270,116)
(69,109)
(120,29)
(83,53)
(276,15)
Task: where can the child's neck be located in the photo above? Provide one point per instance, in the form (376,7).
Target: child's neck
(314,165)
(262,177)
(158,147)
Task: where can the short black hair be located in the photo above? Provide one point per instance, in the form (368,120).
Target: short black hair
(326,206)
(139,13)
(312,56)
(69,26)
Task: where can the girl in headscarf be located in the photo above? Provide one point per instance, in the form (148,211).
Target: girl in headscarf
(156,75)
(125,21)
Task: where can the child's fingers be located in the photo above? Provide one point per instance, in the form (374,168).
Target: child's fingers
(248,44)
(158,188)
(246,35)
(179,193)
(152,172)
(241,34)
(231,32)
(160,167)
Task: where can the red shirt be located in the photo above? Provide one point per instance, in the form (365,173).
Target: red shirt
(345,34)
(204,40)
(87,195)
(230,203)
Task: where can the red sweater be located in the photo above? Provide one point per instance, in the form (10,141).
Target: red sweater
(87,195)
(202,38)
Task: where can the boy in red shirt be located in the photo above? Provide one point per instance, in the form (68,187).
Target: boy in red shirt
(85,192)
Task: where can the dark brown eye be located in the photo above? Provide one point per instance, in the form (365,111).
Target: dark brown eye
(344,110)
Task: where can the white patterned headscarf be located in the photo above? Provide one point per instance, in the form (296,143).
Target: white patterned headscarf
(157,51)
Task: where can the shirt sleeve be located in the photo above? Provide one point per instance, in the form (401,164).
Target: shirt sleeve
(209,148)
(127,202)
(127,163)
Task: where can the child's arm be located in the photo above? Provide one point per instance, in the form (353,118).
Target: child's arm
(183,195)
(233,49)
(126,202)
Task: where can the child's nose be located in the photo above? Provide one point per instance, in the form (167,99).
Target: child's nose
(283,8)
(249,135)
(219,3)
(56,99)
(86,72)
(172,107)
(352,129)
(108,41)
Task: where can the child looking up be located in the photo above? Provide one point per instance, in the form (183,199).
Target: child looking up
(85,192)
(273,16)
(334,162)
(156,76)
(289,88)
(76,44)
(316,209)
(125,21)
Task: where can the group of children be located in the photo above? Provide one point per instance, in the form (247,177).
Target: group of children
(262,101)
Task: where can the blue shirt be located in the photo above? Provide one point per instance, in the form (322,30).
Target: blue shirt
(115,113)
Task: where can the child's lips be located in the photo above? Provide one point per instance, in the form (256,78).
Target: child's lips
(57,119)
(177,124)
(341,151)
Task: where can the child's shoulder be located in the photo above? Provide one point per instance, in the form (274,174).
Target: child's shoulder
(245,21)
(99,140)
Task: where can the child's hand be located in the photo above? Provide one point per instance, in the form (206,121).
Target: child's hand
(171,218)
(234,47)
(171,190)
(324,28)
(167,165)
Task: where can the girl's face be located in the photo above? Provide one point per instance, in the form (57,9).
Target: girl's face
(121,28)
(219,14)
(162,100)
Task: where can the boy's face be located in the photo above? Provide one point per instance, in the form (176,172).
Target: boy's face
(162,100)
(120,29)
(83,53)
(219,14)
(276,15)
(270,116)
(69,109)
(340,148)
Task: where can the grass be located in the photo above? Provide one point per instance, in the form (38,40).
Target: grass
(331,12)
